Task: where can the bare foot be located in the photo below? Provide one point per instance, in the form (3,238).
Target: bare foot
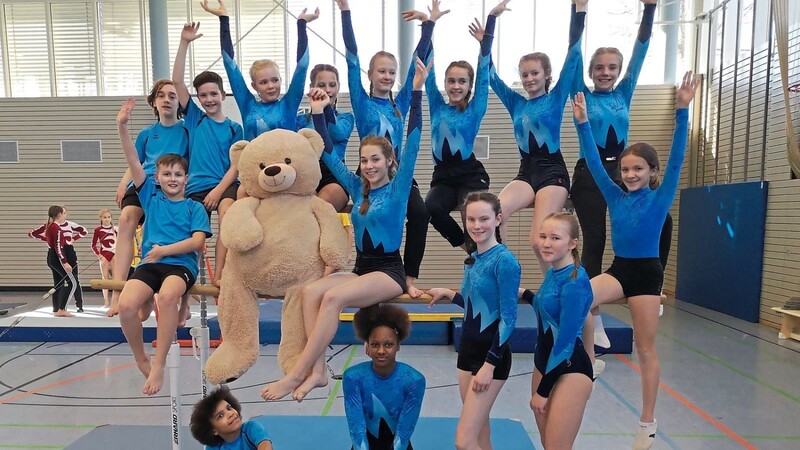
(146,310)
(106,305)
(280,388)
(313,381)
(154,381)
(413,291)
(63,313)
(112,311)
(144,366)
(184,314)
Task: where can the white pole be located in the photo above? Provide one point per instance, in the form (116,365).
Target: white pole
(173,365)
(201,335)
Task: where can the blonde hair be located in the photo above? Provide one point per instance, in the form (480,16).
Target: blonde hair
(574,233)
(383,54)
(105,211)
(603,51)
(262,64)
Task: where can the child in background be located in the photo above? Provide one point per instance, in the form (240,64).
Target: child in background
(55,236)
(217,423)
(382,397)
(104,242)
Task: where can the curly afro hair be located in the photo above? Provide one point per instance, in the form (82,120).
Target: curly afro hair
(203,411)
(367,319)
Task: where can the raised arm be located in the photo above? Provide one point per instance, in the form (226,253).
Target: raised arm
(188,34)
(574,60)
(408,158)
(319,101)
(340,127)
(628,83)
(480,99)
(358,96)
(422,51)
(672,174)
(131,155)
(294,94)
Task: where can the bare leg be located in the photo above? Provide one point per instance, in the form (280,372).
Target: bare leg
(312,298)
(135,294)
(549,200)
(184,313)
(644,311)
(105,273)
(473,432)
(566,404)
(515,196)
(123,257)
(605,289)
(335,195)
(169,298)
(360,292)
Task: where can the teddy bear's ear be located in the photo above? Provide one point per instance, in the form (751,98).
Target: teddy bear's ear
(314,138)
(236,152)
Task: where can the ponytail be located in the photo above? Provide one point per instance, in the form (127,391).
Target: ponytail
(365,189)
(577,262)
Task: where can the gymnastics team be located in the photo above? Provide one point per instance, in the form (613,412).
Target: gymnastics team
(383,397)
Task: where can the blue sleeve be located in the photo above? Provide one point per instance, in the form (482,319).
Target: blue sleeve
(354,410)
(435,99)
(578,83)
(628,83)
(408,159)
(294,95)
(480,100)
(507,273)
(340,127)
(576,299)
(508,96)
(145,192)
(574,57)
(192,114)
(608,188)
(665,193)
(238,133)
(255,432)
(200,220)
(358,96)
(403,98)
(459,300)
(349,180)
(244,99)
(141,145)
(412,404)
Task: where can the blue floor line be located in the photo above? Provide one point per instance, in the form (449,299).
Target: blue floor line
(637,413)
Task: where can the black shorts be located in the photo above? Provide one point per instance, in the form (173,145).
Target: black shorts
(579,362)
(638,276)
(230,193)
(391,264)
(472,356)
(131,198)
(541,171)
(469,175)
(154,274)
(328,178)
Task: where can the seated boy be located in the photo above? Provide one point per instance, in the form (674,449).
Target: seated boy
(211,135)
(175,229)
(217,423)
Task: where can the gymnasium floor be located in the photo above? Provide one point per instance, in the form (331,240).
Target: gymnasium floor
(726,384)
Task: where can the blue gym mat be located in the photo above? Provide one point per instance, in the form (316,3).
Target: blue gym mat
(330,432)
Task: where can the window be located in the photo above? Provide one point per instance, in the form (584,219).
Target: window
(28,61)
(74,48)
(120,47)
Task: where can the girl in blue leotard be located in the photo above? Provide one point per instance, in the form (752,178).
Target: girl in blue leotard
(382,397)
(340,127)
(380,195)
(637,217)
(454,125)
(380,113)
(489,296)
(543,179)
(270,111)
(562,377)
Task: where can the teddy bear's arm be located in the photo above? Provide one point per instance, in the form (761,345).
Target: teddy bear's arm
(241,230)
(333,246)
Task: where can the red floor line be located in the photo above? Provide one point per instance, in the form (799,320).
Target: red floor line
(719,425)
(65,382)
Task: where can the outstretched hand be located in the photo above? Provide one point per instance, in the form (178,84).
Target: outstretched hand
(435,11)
(307,16)
(421,74)
(124,114)
(438,294)
(685,93)
(220,10)
(318,99)
(500,8)
(189,32)
(579,108)
(476,30)
(413,14)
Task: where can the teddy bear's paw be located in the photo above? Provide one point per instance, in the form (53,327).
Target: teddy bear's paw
(227,363)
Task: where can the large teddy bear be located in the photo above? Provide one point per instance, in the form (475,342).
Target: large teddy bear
(278,239)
